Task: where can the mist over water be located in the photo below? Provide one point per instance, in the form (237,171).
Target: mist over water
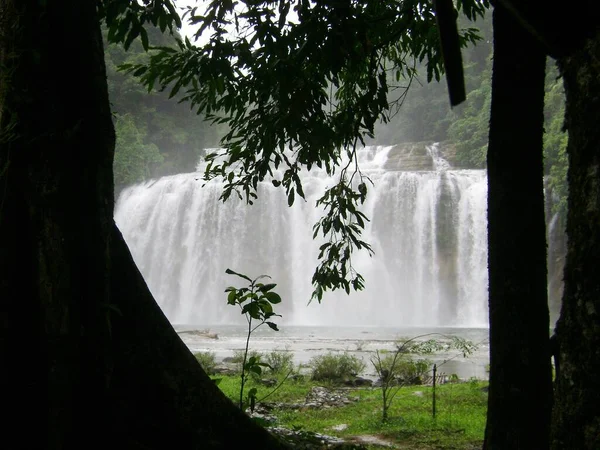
(428,230)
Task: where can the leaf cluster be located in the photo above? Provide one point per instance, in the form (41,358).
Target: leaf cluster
(255,301)
(128,19)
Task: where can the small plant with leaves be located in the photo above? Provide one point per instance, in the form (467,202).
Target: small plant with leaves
(256,303)
(397,370)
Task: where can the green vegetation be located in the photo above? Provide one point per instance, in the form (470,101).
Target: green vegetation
(208,361)
(238,359)
(336,368)
(279,362)
(256,303)
(394,371)
(134,159)
(423,116)
(399,368)
(156,135)
(459,424)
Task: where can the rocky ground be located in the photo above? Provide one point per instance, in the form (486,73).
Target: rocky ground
(318,398)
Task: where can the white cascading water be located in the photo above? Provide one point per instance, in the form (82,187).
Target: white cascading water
(428,230)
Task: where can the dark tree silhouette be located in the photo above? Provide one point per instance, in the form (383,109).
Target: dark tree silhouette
(88,358)
(520,396)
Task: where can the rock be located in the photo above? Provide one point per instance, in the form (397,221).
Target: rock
(225,369)
(418,393)
(300,439)
(340,427)
(269,382)
(414,156)
(359,381)
(201,333)
(262,415)
(297,377)
(320,397)
(372,441)
(411,156)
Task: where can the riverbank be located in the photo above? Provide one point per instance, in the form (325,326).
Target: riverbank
(320,415)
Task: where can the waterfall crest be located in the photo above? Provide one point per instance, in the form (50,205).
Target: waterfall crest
(428,230)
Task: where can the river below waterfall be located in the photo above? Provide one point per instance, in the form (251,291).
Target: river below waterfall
(306,342)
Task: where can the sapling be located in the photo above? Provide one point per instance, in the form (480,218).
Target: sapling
(388,367)
(256,303)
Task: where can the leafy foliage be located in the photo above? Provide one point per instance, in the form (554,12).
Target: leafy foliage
(470,129)
(300,87)
(279,362)
(336,368)
(208,361)
(256,303)
(399,368)
(555,141)
(128,19)
(134,159)
(147,121)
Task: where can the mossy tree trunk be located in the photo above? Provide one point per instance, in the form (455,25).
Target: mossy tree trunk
(576,416)
(88,359)
(520,395)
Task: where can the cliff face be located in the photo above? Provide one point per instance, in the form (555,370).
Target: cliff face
(418,156)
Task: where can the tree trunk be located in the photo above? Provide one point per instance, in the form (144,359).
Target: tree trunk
(88,358)
(576,417)
(520,395)
(56,147)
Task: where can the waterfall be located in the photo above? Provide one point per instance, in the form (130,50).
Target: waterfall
(428,230)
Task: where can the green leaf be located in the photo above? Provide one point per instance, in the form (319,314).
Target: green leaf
(272,326)
(144,37)
(256,369)
(232,297)
(231,272)
(265,307)
(273,297)
(266,287)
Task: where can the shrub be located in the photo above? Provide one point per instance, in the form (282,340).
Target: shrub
(336,367)
(238,358)
(208,361)
(404,369)
(280,362)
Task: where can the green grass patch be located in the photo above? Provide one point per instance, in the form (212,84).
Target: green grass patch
(459,422)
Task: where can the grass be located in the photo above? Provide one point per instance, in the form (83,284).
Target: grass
(459,424)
